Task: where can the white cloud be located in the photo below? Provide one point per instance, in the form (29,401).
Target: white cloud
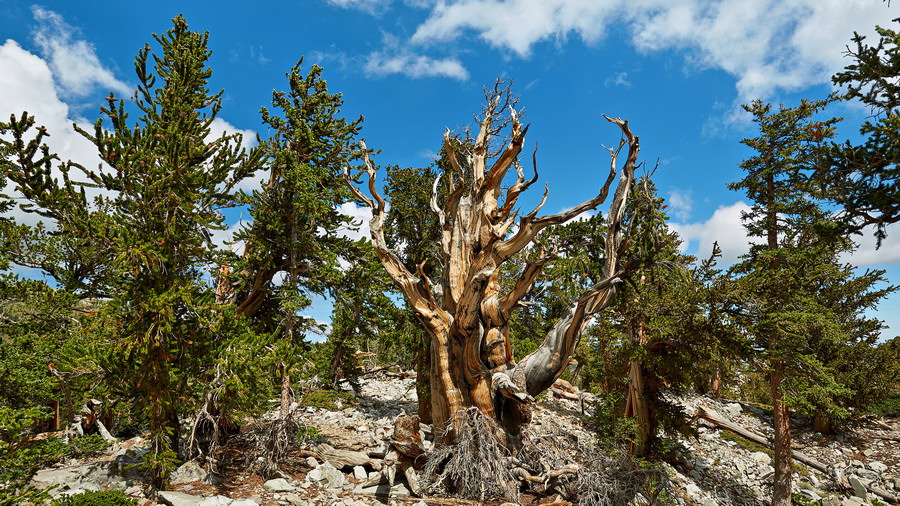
(766,45)
(370,6)
(377,7)
(28,85)
(220,127)
(224,239)
(867,255)
(724,227)
(583,216)
(361,217)
(76,68)
(402,61)
(618,79)
(252,54)
(517,24)
(680,204)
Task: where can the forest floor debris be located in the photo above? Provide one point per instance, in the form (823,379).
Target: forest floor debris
(349,464)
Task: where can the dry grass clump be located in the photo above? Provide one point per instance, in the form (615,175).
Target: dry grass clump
(605,480)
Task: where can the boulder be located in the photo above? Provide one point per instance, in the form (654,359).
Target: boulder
(171,498)
(63,479)
(279,485)
(865,473)
(733,409)
(295,500)
(876,466)
(761,458)
(188,472)
(104,475)
(331,477)
(383,490)
(693,491)
(341,458)
(216,500)
(859,490)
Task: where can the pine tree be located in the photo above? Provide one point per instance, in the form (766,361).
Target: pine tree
(668,318)
(297,226)
(864,178)
(159,200)
(782,310)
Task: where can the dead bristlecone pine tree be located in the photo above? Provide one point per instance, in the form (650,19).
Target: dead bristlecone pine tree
(466,312)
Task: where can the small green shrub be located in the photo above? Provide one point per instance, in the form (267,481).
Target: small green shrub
(306,434)
(801,500)
(89,444)
(100,498)
(889,406)
(613,430)
(331,400)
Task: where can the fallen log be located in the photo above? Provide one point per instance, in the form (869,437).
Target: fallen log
(564,394)
(341,458)
(718,420)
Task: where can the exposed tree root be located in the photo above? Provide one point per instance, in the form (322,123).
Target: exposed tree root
(272,440)
(477,466)
(550,462)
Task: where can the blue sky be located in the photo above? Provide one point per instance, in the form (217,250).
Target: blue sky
(678,71)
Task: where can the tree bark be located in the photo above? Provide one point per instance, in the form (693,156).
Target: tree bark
(716,383)
(781,488)
(423,379)
(823,422)
(284,410)
(642,387)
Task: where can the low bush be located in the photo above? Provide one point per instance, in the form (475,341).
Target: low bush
(100,498)
(331,400)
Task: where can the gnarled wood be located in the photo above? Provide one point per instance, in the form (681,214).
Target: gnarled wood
(466,313)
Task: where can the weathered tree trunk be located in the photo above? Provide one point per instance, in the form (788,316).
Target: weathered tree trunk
(284,408)
(642,389)
(423,379)
(823,422)
(56,416)
(781,488)
(715,386)
(466,314)
(637,407)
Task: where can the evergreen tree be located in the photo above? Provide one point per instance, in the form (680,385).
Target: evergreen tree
(670,316)
(864,178)
(297,227)
(159,200)
(783,310)
(363,314)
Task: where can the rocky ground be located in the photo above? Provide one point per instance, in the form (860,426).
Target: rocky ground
(715,468)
